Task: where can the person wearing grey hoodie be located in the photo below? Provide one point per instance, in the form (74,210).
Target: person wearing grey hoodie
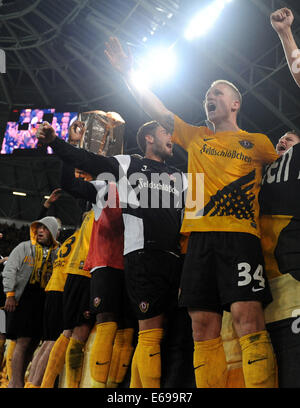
(25,277)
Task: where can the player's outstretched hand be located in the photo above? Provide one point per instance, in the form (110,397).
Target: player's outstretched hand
(121,61)
(281,20)
(53,197)
(45,133)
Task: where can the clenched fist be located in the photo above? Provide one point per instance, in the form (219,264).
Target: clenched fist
(281,20)
(45,133)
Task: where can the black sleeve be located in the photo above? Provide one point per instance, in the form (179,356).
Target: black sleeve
(43,212)
(92,163)
(78,188)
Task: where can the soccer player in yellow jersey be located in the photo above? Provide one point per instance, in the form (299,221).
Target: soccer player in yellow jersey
(223,266)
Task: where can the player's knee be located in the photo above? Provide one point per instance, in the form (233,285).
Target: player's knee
(106,317)
(248,318)
(205,325)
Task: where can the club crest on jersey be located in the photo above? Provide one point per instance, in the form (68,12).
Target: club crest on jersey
(96,301)
(246,144)
(144,306)
(81,264)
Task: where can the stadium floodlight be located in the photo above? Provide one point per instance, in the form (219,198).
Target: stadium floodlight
(205,19)
(19,193)
(158,65)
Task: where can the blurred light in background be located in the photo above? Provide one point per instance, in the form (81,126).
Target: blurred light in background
(158,65)
(205,19)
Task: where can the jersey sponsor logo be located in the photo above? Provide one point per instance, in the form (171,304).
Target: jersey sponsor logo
(279,170)
(235,199)
(158,186)
(230,154)
(258,359)
(144,306)
(246,144)
(96,301)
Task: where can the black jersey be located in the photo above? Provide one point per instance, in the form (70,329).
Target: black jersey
(280,215)
(151,195)
(280,191)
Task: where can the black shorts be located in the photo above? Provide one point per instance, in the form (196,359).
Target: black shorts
(285,338)
(221,268)
(27,319)
(109,295)
(76,302)
(53,315)
(152,280)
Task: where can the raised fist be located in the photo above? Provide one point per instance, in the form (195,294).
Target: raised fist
(281,20)
(45,133)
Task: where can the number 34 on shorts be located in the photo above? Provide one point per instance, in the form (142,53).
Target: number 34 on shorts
(248,276)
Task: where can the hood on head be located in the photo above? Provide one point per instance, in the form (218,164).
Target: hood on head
(51,223)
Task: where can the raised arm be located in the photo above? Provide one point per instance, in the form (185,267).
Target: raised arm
(281,21)
(149,102)
(75,157)
(76,187)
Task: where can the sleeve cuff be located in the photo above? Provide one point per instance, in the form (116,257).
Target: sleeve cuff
(10,294)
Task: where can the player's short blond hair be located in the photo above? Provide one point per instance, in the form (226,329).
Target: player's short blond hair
(232,86)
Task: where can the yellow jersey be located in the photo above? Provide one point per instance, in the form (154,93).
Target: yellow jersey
(224,175)
(60,265)
(81,247)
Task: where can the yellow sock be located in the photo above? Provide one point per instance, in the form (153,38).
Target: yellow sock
(101,353)
(259,362)
(9,355)
(30,385)
(126,354)
(210,364)
(56,361)
(235,378)
(27,384)
(148,357)
(135,379)
(115,360)
(74,363)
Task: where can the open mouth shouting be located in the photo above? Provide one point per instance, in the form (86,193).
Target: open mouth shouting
(211,107)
